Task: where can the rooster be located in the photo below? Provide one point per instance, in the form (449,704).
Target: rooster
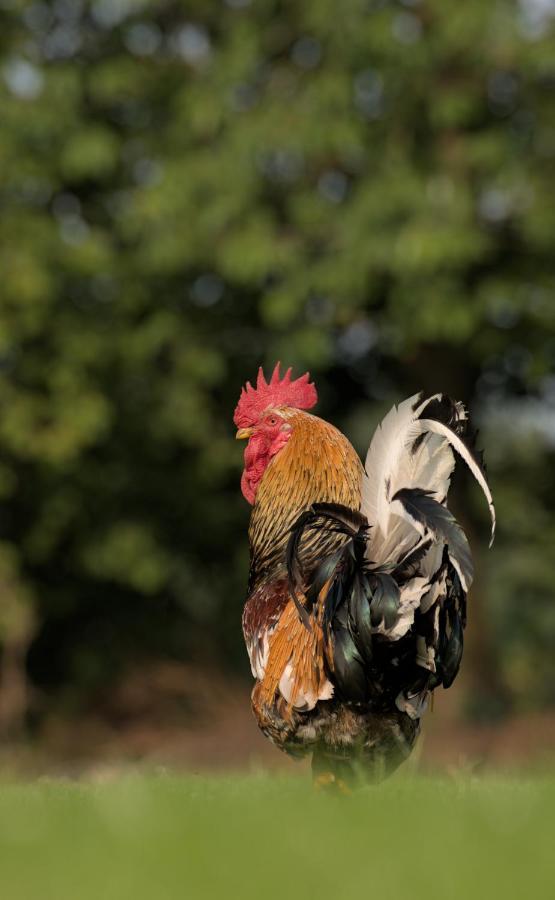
(356,600)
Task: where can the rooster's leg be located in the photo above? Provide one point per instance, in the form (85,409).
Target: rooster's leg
(325,776)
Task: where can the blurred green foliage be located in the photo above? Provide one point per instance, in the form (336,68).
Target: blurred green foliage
(191,188)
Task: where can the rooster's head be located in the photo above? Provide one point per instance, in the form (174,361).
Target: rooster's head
(261,416)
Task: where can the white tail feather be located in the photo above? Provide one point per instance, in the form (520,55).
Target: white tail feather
(390,465)
(387,460)
(427,425)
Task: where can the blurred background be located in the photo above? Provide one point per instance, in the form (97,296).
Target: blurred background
(189,189)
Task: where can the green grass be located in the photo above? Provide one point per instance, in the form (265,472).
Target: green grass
(160,838)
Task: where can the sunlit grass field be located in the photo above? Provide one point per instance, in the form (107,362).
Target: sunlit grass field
(161,837)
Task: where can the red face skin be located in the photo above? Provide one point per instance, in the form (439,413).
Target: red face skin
(269,435)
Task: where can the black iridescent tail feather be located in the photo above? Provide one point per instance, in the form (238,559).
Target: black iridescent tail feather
(362,603)
(357,598)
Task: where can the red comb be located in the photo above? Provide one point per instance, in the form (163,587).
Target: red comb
(300,394)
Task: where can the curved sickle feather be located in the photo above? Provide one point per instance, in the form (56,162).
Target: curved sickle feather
(346,521)
(424,425)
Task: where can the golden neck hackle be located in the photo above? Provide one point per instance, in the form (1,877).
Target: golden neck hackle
(318,464)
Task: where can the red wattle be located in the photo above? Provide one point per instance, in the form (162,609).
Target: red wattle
(259,452)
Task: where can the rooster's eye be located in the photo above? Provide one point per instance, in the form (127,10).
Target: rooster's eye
(272,420)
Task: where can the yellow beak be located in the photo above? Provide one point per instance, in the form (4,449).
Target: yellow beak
(243,434)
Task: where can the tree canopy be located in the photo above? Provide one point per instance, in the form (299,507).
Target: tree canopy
(190,189)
